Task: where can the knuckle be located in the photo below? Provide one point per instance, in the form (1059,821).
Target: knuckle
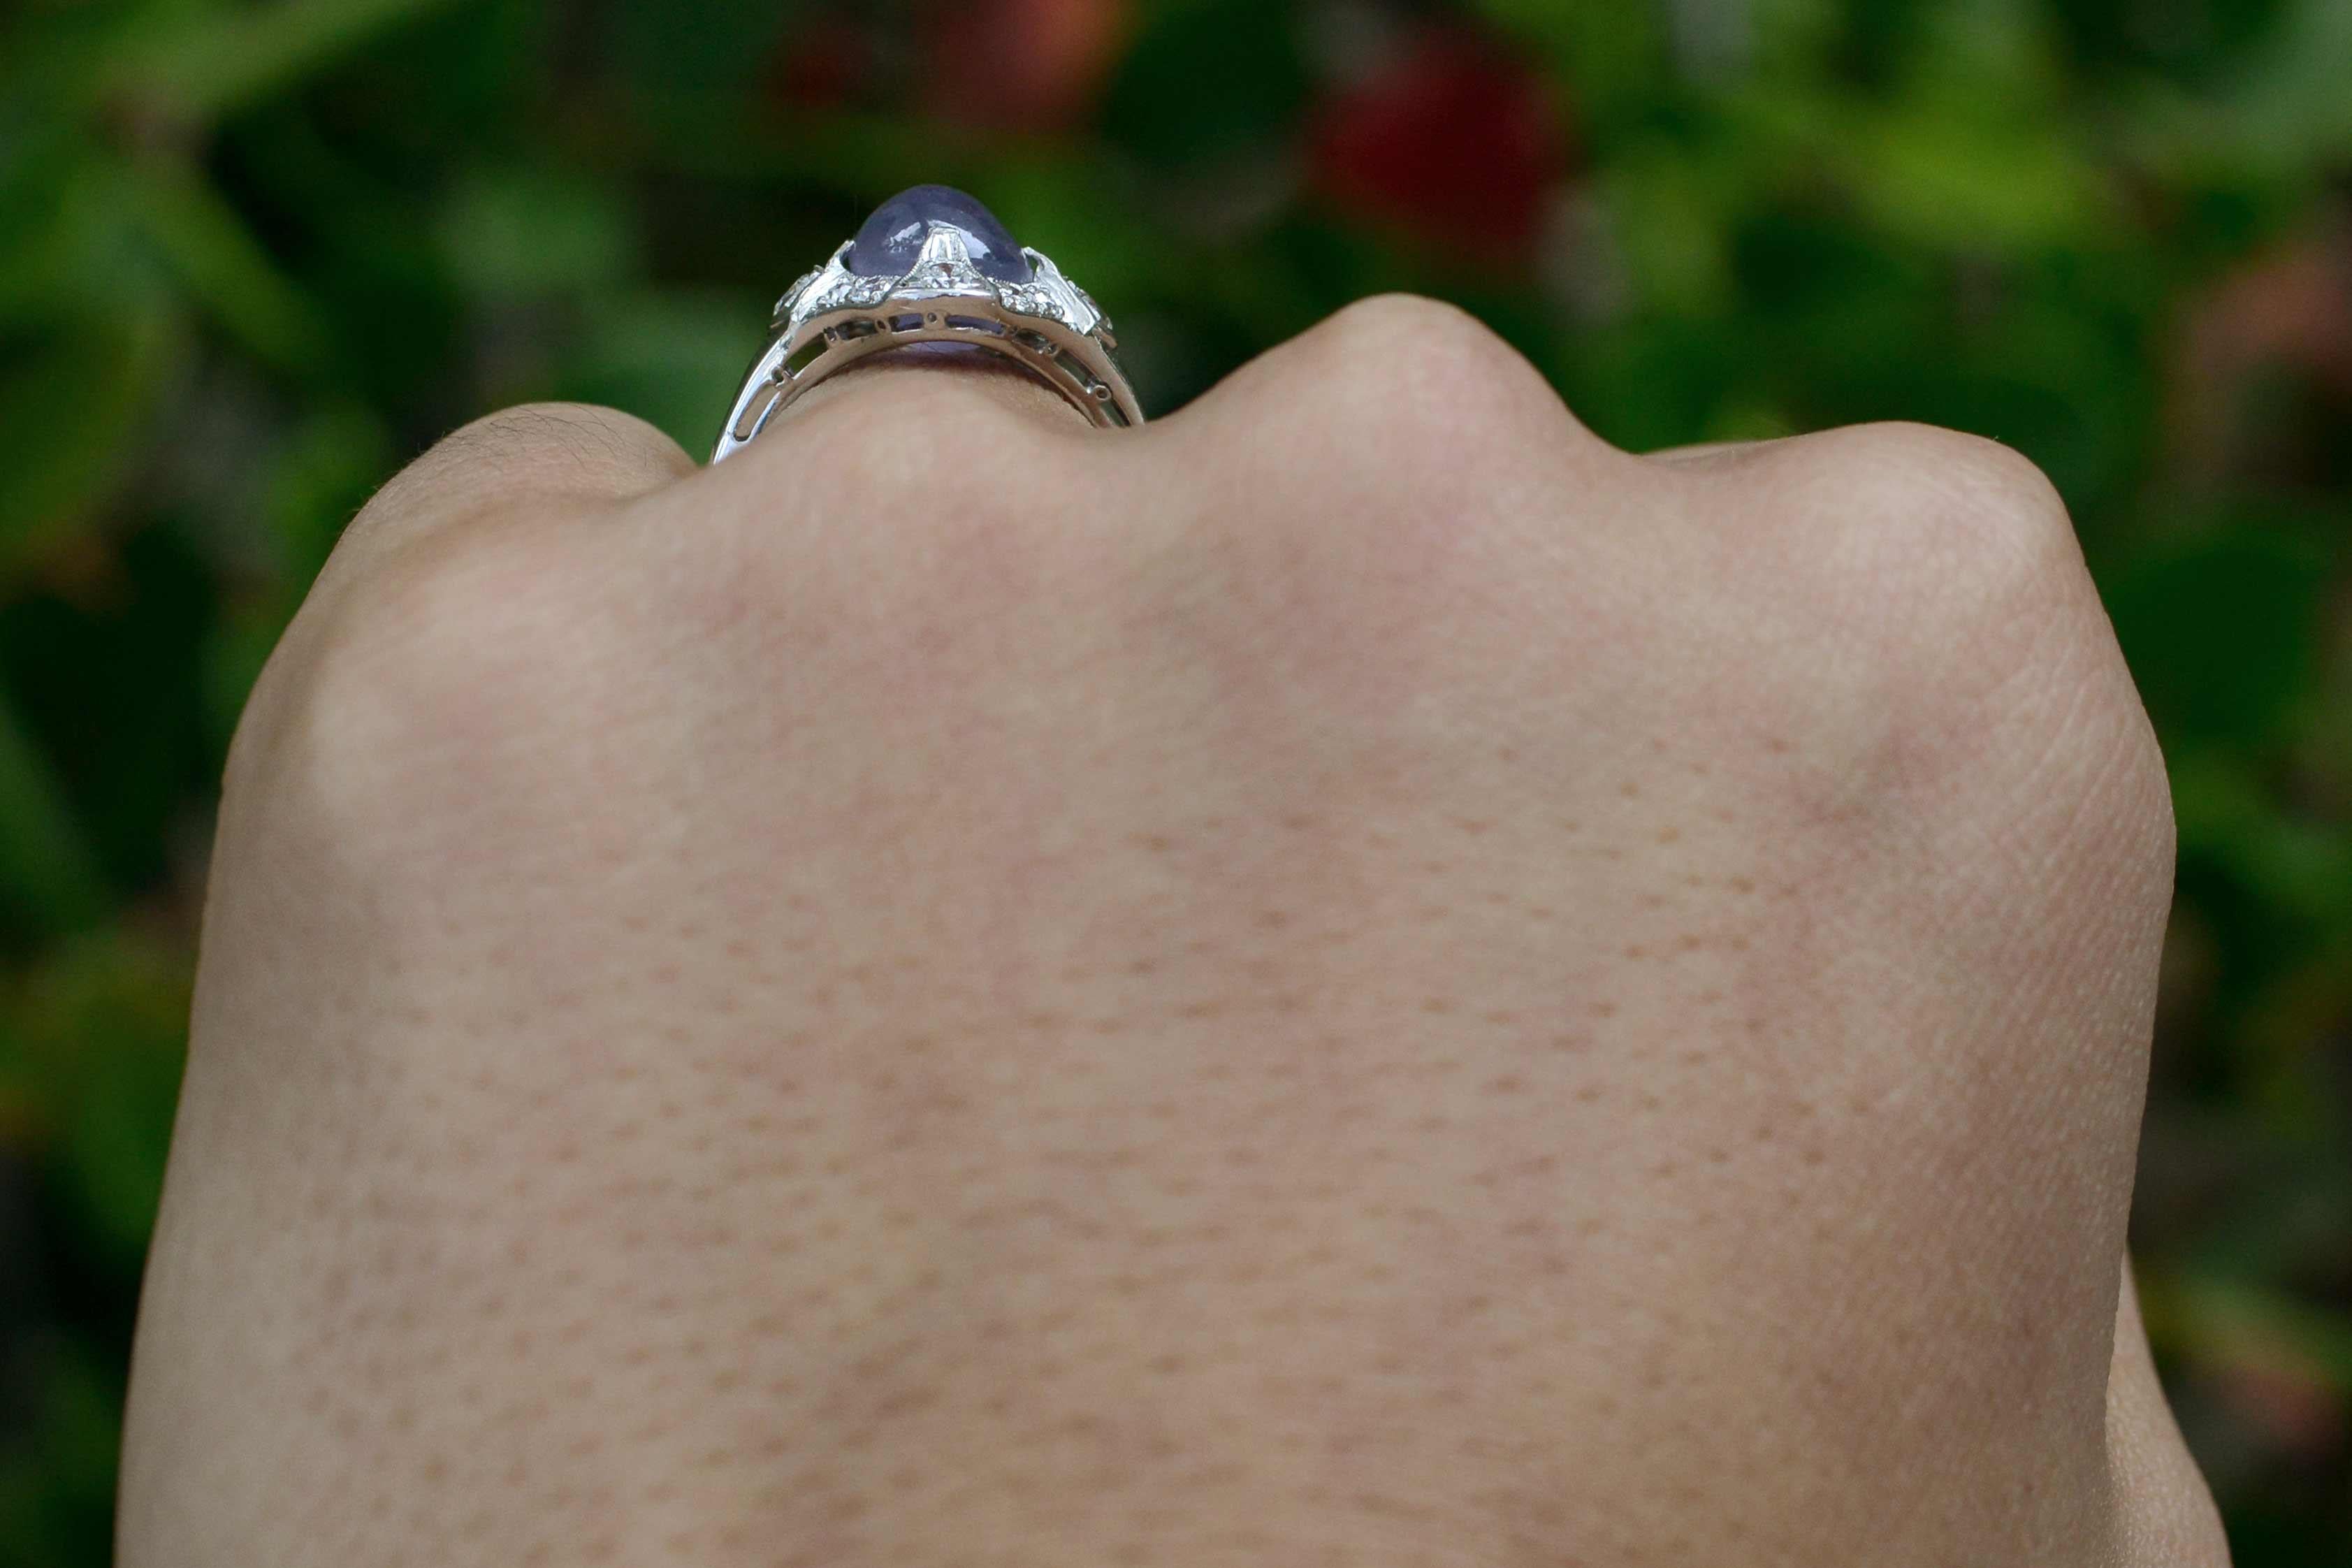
(2139,820)
(922,482)
(413,698)
(896,426)
(579,434)
(916,453)
(1942,624)
(532,449)
(906,529)
(1387,326)
(1937,514)
(605,450)
(1391,449)
(1948,558)
(1417,386)
(1406,472)
(1995,498)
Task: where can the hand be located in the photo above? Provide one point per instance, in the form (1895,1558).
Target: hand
(1352,976)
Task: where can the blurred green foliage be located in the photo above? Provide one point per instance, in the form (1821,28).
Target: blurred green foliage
(254,254)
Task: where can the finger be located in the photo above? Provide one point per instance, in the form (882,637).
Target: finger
(531,457)
(910,408)
(2164,1512)
(1393,388)
(1714,454)
(874,384)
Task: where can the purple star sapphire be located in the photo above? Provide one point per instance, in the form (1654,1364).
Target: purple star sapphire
(892,239)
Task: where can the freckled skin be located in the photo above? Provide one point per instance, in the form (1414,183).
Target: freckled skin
(1351,977)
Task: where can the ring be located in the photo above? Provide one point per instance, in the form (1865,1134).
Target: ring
(933,265)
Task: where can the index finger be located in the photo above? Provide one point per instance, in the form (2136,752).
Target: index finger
(573,454)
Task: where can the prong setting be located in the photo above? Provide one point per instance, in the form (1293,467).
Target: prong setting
(1030,311)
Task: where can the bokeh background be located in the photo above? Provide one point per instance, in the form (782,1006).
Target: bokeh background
(254,254)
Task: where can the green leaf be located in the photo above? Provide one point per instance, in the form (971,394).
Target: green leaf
(1972,174)
(2248,1321)
(525,232)
(1610,58)
(49,877)
(1207,84)
(96,1036)
(1670,228)
(51,211)
(58,1467)
(2223,632)
(2295,865)
(331,462)
(2286,113)
(234,656)
(224,268)
(73,400)
(204,64)
(696,44)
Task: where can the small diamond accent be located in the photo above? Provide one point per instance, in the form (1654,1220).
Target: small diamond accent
(1032,302)
(792,294)
(843,291)
(948,278)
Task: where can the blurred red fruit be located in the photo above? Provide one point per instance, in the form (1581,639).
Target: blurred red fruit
(2288,310)
(1453,141)
(2288,1401)
(1027,65)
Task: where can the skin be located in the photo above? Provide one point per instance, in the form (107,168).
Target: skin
(1352,976)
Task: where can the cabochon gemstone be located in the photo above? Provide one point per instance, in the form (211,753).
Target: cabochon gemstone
(892,239)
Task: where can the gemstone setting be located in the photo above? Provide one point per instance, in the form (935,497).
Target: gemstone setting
(892,241)
(934,271)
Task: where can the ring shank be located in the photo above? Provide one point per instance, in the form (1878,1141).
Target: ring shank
(1075,364)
